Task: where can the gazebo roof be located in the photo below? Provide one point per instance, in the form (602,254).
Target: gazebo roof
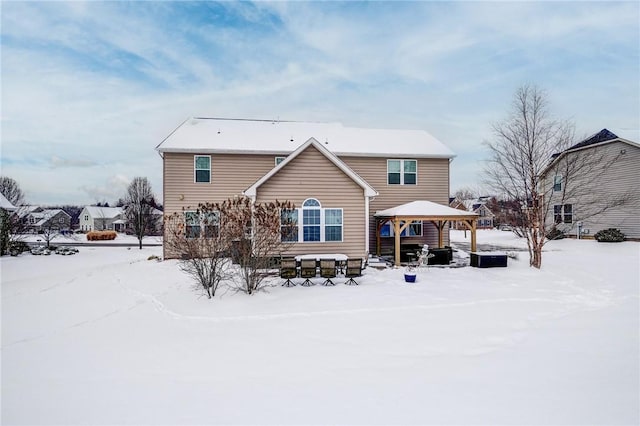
(426,209)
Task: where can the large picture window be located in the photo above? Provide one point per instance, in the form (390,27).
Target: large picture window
(202,168)
(317,224)
(402,172)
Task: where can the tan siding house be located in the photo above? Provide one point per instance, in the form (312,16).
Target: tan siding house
(592,198)
(343,174)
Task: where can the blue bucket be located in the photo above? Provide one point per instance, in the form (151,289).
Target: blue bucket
(410,278)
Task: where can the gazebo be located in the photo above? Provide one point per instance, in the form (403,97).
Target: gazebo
(401,216)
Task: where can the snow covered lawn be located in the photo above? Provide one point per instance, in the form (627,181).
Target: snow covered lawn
(109,337)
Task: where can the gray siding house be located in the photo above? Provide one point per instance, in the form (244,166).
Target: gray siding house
(603,190)
(338,175)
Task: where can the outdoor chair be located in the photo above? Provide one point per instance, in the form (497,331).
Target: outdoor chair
(354,270)
(328,270)
(288,270)
(307,271)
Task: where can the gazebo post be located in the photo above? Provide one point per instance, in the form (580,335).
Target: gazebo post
(473,234)
(396,230)
(379,224)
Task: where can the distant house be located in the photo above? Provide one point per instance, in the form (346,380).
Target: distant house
(475,205)
(6,204)
(47,220)
(597,204)
(93,218)
(338,177)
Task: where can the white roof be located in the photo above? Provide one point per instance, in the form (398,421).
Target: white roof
(216,135)
(104,212)
(423,208)
(6,204)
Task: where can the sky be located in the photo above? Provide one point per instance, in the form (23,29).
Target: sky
(89,89)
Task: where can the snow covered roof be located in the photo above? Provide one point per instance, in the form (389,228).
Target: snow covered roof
(368,190)
(104,212)
(217,135)
(422,208)
(6,204)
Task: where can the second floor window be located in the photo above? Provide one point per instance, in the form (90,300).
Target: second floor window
(557,183)
(402,172)
(202,166)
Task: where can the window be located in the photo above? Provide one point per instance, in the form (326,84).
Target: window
(211,223)
(557,183)
(192,224)
(333,224)
(311,220)
(289,225)
(86,217)
(317,225)
(202,167)
(61,220)
(563,213)
(402,172)
(279,160)
(413,230)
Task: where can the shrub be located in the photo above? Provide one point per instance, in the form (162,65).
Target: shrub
(555,234)
(101,235)
(611,235)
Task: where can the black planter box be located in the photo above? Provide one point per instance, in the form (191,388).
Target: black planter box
(488,259)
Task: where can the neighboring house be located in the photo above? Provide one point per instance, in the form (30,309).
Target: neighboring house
(337,176)
(6,204)
(157,222)
(47,220)
(478,206)
(93,218)
(606,194)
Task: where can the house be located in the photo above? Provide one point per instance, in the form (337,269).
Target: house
(47,220)
(6,204)
(338,177)
(595,185)
(93,218)
(479,206)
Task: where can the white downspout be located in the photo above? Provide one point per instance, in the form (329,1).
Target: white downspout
(366,225)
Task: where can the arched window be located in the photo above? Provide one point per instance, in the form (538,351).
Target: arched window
(311,212)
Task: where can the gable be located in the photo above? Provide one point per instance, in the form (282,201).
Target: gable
(323,158)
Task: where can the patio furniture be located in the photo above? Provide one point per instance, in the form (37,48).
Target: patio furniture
(488,259)
(288,270)
(307,271)
(354,270)
(328,270)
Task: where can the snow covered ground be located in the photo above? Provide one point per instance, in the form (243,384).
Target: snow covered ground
(109,337)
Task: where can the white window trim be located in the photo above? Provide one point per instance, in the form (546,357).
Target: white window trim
(195,169)
(401,160)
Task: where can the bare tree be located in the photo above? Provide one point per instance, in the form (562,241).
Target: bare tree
(140,205)
(257,235)
(11,191)
(194,237)
(11,225)
(522,146)
(527,157)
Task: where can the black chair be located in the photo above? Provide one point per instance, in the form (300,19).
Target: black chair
(308,271)
(328,270)
(288,271)
(354,270)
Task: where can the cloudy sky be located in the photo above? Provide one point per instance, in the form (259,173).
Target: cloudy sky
(90,88)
